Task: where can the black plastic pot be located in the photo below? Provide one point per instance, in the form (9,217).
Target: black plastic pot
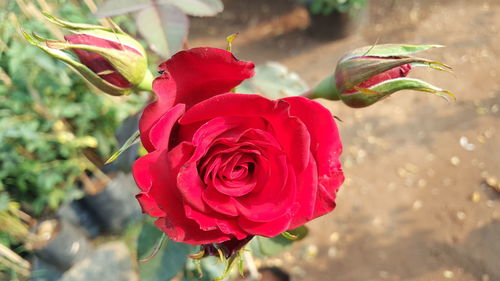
(62,246)
(336,25)
(115,206)
(76,213)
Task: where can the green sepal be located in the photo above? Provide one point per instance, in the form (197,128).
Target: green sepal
(111,34)
(388,50)
(289,236)
(83,70)
(357,70)
(81,26)
(135,138)
(365,97)
(121,60)
(122,39)
(229,265)
(147,82)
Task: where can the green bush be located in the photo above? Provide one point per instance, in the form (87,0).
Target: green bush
(49,117)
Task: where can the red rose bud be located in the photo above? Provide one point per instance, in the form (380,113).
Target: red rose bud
(108,58)
(371,73)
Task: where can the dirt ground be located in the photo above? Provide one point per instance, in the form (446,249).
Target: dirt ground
(416,204)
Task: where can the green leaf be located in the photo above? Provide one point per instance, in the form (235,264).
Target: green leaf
(274,81)
(4,201)
(169,260)
(147,239)
(199,8)
(296,234)
(264,246)
(164,27)
(118,7)
(135,138)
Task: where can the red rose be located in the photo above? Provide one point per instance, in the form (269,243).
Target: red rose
(225,166)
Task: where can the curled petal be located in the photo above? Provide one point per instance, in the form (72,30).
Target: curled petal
(269,229)
(175,223)
(326,149)
(274,196)
(289,131)
(201,73)
(149,205)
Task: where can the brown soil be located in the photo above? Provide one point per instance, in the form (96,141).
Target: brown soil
(415,204)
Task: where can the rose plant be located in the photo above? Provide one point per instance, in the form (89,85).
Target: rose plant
(221,167)
(226,166)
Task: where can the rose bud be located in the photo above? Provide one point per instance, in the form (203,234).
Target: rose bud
(109,59)
(221,166)
(369,74)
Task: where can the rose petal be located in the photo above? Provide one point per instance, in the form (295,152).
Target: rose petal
(164,190)
(326,148)
(201,73)
(191,187)
(219,202)
(207,133)
(212,221)
(155,110)
(149,205)
(307,193)
(273,196)
(206,222)
(267,229)
(231,227)
(290,132)
(141,171)
(159,135)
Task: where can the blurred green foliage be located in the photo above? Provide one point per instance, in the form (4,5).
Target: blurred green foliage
(326,7)
(48,114)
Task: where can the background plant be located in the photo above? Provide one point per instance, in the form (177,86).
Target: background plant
(53,127)
(162,23)
(326,7)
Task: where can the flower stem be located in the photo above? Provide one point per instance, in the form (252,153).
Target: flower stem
(252,268)
(147,82)
(325,89)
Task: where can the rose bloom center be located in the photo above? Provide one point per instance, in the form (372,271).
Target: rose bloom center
(230,167)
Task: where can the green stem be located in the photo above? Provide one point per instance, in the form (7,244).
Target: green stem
(325,89)
(146,83)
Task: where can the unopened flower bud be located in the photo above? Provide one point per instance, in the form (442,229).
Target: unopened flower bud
(110,59)
(371,73)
